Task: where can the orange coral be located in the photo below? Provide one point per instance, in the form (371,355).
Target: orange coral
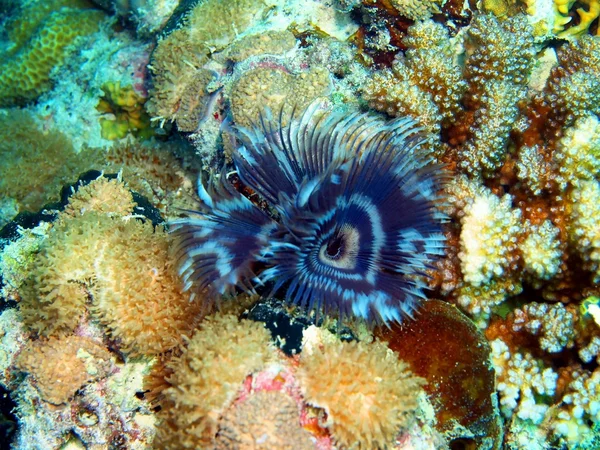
(369,395)
(62,366)
(206,378)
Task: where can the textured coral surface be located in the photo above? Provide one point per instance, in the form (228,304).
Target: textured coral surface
(102,346)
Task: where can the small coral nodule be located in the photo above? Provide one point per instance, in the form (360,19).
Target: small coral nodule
(355,225)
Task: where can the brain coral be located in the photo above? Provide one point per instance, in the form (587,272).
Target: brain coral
(369,395)
(40,44)
(206,378)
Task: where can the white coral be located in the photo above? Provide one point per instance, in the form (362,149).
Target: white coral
(489,234)
(540,249)
(578,152)
(584,232)
(521,381)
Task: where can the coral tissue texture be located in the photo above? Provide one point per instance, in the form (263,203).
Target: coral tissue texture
(341,224)
(369,417)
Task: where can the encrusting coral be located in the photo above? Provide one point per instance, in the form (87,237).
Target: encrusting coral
(41,37)
(62,366)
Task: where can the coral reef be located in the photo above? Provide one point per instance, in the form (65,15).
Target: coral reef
(507,95)
(365,418)
(40,39)
(97,251)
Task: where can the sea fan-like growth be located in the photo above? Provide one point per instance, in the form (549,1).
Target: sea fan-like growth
(354,225)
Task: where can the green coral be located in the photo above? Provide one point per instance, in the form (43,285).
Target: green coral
(124,113)
(41,38)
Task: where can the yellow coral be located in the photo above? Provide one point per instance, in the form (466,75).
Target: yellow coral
(25,72)
(586,17)
(275,89)
(369,395)
(122,266)
(124,112)
(269,42)
(206,378)
(488,238)
(62,366)
(214,23)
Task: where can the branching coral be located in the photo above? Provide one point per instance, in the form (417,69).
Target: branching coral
(369,416)
(488,238)
(554,324)
(516,395)
(584,233)
(425,84)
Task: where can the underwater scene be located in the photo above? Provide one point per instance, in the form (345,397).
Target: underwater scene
(299,224)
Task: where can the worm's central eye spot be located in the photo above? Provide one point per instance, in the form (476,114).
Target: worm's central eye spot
(335,247)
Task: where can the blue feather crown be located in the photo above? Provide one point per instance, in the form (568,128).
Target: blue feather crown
(355,226)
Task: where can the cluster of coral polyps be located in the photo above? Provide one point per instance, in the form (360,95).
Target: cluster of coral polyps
(511,110)
(98,300)
(230,389)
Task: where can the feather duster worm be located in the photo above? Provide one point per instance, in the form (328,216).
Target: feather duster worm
(354,224)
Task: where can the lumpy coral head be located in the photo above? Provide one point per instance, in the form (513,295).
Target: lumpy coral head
(355,226)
